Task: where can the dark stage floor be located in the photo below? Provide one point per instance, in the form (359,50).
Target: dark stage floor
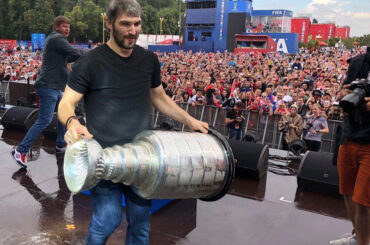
(37,208)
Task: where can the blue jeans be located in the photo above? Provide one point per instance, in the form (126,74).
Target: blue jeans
(235,134)
(107,214)
(49,99)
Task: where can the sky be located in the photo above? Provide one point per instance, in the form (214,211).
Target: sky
(354,13)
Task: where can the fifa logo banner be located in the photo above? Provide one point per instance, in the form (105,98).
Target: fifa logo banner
(38,41)
(287,43)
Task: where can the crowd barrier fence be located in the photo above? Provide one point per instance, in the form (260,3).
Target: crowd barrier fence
(265,127)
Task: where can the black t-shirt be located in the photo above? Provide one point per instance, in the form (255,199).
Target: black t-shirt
(116,92)
(232,114)
(229,103)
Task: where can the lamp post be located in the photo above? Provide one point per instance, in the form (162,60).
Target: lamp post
(103,16)
(161,19)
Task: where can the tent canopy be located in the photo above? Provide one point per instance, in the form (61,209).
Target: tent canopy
(321,43)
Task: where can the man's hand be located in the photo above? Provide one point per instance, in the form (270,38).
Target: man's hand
(367,99)
(75,131)
(313,131)
(196,125)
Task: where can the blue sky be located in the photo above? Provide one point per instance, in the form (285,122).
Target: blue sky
(355,13)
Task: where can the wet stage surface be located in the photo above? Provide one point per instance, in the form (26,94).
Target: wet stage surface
(37,208)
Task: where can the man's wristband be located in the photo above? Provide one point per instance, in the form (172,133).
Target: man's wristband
(69,120)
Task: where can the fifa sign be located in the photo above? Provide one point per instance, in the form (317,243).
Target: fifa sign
(287,43)
(281,46)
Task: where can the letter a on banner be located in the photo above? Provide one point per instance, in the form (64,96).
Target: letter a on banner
(281,46)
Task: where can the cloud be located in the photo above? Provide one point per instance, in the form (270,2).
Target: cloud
(338,11)
(323,2)
(358,15)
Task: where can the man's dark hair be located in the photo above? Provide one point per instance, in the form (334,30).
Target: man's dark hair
(117,7)
(60,20)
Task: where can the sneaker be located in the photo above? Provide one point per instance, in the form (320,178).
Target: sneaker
(352,240)
(20,158)
(59,149)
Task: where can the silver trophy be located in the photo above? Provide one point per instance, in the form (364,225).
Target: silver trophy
(157,164)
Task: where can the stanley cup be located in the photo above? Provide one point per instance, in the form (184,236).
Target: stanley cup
(157,164)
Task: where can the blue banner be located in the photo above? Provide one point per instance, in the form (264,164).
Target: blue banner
(24,44)
(276,12)
(287,43)
(38,41)
(241,6)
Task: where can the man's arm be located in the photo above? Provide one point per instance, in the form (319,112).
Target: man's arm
(299,126)
(168,107)
(63,46)
(228,120)
(367,99)
(66,110)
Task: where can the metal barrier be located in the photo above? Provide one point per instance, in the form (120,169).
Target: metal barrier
(266,127)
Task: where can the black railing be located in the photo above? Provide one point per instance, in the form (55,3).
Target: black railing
(265,127)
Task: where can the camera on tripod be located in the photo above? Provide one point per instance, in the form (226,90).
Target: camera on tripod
(356,99)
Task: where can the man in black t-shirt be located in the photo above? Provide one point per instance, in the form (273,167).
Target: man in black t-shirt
(233,120)
(119,82)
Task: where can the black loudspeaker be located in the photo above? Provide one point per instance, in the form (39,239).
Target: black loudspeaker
(19,118)
(317,173)
(251,136)
(252,158)
(236,25)
(51,130)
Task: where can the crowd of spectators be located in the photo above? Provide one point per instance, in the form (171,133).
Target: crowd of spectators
(270,84)
(18,64)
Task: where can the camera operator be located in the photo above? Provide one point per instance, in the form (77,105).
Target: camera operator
(315,126)
(233,120)
(291,125)
(354,152)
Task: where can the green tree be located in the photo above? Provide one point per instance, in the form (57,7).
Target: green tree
(313,44)
(4,20)
(17,25)
(171,15)
(301,45)
(78,25)
(158,4)
(333,41)
(315,21)
(102,3)
(86,21)
(66,7)
(364,40)
(348,42)
(150,20)
(40,23)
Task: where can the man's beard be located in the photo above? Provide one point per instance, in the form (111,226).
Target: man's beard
(120,40)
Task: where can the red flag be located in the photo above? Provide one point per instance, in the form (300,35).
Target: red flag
(233,86)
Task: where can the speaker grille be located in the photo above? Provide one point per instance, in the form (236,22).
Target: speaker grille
(19,117)
(317,173)
(252,158)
